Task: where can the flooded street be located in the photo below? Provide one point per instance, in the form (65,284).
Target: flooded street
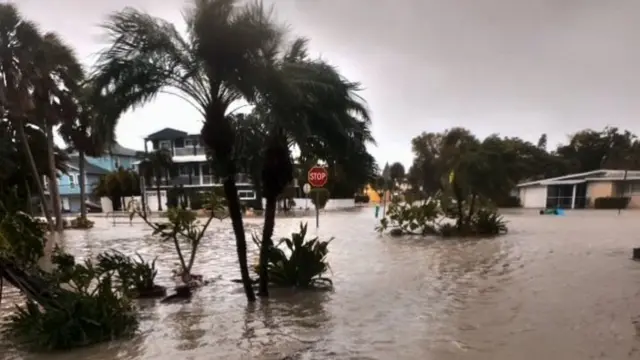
(553,288)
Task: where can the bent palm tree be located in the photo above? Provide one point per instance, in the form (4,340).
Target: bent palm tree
(215,65)
(19,43)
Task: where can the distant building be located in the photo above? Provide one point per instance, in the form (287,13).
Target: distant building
(69,184)
(576,191)
(193,169)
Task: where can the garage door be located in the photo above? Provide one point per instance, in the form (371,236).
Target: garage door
(534,196)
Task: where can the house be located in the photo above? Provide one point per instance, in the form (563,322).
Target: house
(69,184)
(192,168)
(115,158)
(575,191)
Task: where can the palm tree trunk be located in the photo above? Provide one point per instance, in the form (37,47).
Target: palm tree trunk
(83,190)
(27,188)
(257,188)
(266,244)
(34,172)
(53,178)
(158,182)
(233,202)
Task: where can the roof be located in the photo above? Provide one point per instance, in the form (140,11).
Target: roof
(166,134)
(594,175)
(89,168)
(118,149)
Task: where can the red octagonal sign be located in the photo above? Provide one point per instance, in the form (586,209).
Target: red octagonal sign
(317,176)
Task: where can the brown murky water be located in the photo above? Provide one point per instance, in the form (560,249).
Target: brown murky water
(554,288)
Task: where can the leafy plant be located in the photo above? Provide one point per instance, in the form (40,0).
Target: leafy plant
(303,267)
(184,225)
(137,277)
(81,223)
(22,238)
(55,318)
(319,197)
(488,222)
(411,219)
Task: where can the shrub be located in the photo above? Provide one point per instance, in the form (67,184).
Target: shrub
(305,265)
(488,222)
(22,238)
(410,219)
(319,197)
(137,277)
(81,223)
(197,201)
(361,199)
(54,318)
(611,202)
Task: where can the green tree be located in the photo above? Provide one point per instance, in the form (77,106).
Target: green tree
(157,164)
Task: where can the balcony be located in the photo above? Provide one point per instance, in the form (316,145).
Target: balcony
(197,180)
(189,150)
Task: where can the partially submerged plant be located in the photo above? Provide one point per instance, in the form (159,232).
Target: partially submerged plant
(302,264)
(403,218)
(136,276)
(184,225)
(81,223)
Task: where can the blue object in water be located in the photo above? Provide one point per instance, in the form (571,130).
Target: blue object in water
(560,212)
(377,210)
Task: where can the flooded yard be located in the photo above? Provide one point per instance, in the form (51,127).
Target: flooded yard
(553,288)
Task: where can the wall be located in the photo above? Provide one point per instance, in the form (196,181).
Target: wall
(109,162)
(333,204)
(68,186)
(534,197)
(596,189)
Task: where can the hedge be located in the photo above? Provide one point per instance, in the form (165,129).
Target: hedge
(611,202)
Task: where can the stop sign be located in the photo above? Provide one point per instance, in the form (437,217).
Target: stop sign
(317,176)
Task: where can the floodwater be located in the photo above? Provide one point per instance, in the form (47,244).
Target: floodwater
(553,288)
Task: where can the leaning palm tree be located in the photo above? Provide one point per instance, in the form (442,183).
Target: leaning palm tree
(55,84)
(20,40)
(216,64)
(157,164)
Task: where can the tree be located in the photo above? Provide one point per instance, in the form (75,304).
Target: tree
(156,165)
(20,41)
(396,173)
(542,142)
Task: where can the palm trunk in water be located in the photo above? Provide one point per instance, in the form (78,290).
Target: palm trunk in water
(83,190)
(36,177)
(267,243)
(158,183)
(233,202)
(53,178)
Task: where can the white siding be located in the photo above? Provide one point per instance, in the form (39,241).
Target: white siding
(534,196)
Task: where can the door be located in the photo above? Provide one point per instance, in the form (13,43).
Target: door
(534,197)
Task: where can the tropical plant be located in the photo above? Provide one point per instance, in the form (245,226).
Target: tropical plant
(184,225)
(136,276)
(302,264)
(157,165)
(404,218)
(488,222)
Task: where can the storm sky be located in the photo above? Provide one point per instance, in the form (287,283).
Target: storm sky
(514,67)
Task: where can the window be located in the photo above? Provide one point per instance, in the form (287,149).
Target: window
(164,144)
(45,183)
(73,180)
(189,143)
(246,194)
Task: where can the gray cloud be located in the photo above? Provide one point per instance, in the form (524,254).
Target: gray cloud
(516,67)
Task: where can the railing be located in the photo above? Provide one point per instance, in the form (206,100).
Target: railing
(208,179)
(188,150)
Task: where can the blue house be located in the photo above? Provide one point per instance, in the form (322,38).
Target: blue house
(69,185)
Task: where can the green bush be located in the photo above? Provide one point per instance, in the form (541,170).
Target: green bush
(304,267)
(319,197)
(136,276)
(55,318)
(22,238)
(488,222)
(361,199)
(197,200)
(81,223)
(611,202)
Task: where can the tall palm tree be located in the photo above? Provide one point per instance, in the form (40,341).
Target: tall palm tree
(217,63)
(157,164)
(55,85)
(20,41)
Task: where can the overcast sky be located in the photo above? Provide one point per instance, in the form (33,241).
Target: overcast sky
(515,67)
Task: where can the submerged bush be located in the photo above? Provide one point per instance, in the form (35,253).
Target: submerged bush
(302,264)
(81,223)
(488,222)
(136,276)
(56,318)
(404,218)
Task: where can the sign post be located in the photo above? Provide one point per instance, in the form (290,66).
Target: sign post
(306,188)
(317,177)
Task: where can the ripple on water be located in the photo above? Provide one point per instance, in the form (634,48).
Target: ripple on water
(555,287)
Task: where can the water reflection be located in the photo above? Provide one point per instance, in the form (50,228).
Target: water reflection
(555,287)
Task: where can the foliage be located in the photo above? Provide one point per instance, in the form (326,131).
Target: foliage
(22,238)
(611,202)
(183,225)
(118,184)
(303,267)
(319,197)
(81,223)
(94,311)
(136,276)
(488,222)
(411,219)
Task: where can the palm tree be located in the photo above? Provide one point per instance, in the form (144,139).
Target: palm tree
(55,85)
(218,63)
(20,41)
(157,164)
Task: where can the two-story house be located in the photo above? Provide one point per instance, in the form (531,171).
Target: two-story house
(190,160)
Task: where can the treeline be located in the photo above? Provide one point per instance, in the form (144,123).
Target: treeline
(491,167)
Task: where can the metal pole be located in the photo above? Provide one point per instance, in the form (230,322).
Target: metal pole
(624,179)
(317,210)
